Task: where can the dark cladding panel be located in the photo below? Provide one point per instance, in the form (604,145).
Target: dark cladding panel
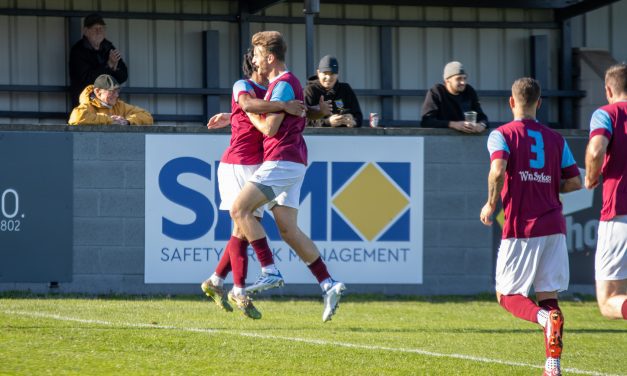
(35,207)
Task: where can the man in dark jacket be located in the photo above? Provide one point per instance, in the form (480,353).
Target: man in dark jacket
(453,104)
(92,56)
(345,107)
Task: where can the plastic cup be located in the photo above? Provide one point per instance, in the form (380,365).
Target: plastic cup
(470,116)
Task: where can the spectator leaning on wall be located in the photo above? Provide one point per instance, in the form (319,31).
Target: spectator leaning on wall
(325,87)
(447,104)
(99,104)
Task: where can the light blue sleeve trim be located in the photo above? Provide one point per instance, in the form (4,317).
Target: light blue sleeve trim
(600,120)
(239,86)
(282,92)
(259,85)
(496,142)
(567,157)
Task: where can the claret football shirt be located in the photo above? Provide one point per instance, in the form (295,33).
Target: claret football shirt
(610,121)
(246,146)
(537,159)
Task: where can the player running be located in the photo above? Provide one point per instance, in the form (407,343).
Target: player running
(530,165)
(278,180)
(606,155)
(243,156)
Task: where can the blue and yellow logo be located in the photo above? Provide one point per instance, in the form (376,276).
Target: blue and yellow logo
(370,201)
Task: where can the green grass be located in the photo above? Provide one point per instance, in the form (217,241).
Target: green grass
(370,335)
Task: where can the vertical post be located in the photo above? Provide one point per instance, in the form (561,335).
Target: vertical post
(211,67)
(75,33)
(566,75)
(244,34)
(540,70)
(385,59)
(309,41)
(311,8)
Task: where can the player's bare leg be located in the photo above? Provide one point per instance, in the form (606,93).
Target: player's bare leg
(250,198)
(612,298)
(242,212)
(286,220)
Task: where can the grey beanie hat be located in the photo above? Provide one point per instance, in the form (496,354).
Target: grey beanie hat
(453,69)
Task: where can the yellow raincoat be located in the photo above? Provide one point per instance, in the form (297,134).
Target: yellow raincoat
(91,111)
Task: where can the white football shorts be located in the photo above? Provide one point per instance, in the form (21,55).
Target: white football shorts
(280,181)
(610,260)
(540,262)
(231,180)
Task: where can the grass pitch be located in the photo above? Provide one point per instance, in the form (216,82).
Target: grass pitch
(370,335)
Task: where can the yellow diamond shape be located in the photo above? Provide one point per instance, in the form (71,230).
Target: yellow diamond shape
(370,201)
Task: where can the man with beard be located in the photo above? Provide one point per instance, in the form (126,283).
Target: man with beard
(445,104)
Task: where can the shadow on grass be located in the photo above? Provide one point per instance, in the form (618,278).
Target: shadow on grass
(353,329)
(352,298)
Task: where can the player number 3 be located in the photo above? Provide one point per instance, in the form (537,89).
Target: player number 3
(537,148)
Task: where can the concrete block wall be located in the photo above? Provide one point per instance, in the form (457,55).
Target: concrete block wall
(458,255)
(108,213)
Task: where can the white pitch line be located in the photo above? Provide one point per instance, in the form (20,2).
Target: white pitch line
(296,339)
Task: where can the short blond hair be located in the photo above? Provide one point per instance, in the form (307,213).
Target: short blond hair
(616,78)
(272,42)
(526,91)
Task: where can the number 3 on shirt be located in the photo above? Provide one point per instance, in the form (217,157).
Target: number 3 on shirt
(537,148)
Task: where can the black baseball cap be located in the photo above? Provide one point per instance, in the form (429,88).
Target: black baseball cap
(328,64)
(93,19)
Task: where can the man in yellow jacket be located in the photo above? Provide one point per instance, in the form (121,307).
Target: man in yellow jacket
(99,104)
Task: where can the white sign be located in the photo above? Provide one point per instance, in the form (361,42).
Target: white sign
(361,204)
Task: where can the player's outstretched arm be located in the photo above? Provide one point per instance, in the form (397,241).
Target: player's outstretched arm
(595,154)
(496,179)
(220,120)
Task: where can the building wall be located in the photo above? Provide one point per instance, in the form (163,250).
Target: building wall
(590,67)
(603,29)
(168,53)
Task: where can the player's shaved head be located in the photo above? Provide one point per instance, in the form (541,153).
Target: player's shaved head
(526,91)
(272,42)
(616,78)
